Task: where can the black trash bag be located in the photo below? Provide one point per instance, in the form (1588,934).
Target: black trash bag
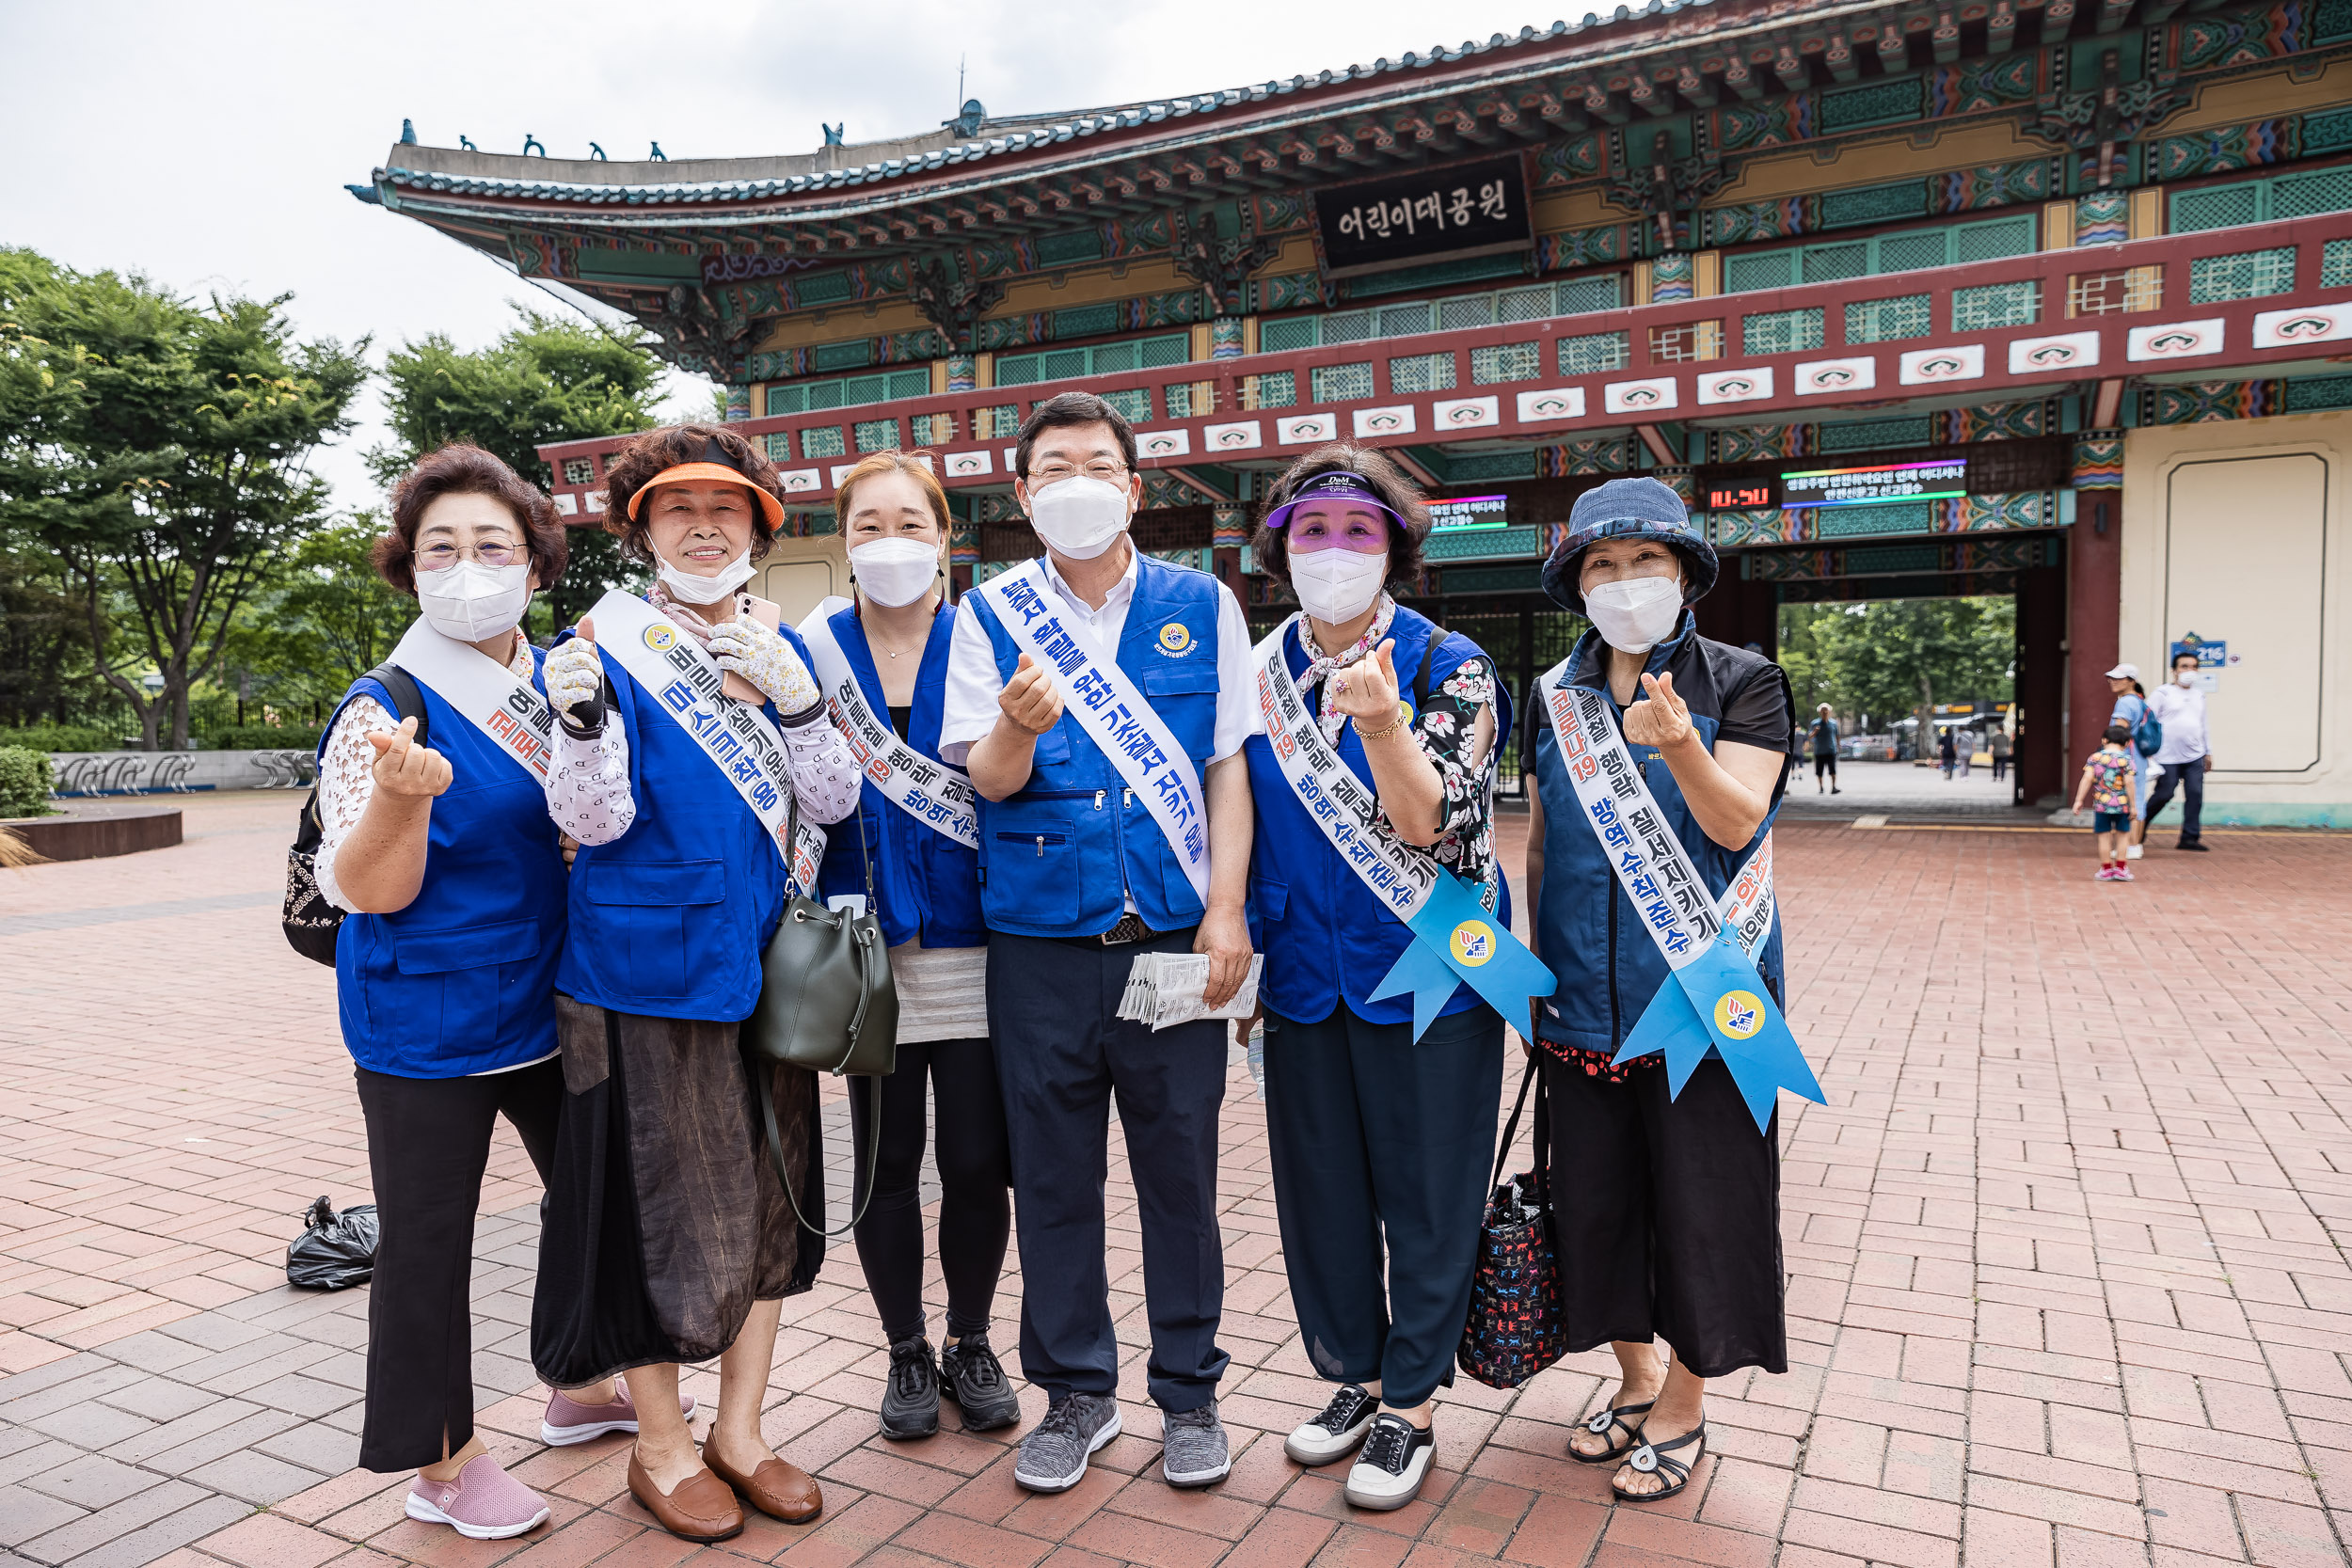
(334,1251)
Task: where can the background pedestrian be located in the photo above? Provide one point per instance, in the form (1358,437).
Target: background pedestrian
(2185,756)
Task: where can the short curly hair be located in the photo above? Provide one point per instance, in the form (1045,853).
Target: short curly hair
(1382,477)
(464,469)
(656,450)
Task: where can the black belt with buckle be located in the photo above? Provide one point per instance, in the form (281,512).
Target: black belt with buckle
(1130,930)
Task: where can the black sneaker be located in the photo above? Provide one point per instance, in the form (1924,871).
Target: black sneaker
(910,1407)
(976,1381)
(1395,1460)
(2194,846)
(1334,1434)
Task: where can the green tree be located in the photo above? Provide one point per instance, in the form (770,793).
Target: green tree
(327,621)
(548,379)
(158,452)
(1896,655)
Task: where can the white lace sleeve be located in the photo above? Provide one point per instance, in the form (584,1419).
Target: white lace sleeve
(588,792)
(347,783)
(825,774)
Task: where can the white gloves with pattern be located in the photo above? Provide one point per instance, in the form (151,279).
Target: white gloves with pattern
(763,658)
(575,677)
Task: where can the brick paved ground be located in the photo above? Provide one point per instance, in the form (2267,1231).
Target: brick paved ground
(2066,1249)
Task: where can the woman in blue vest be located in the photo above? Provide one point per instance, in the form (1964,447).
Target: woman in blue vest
(927,893)
(435,838)
(1375,1136)
(1668,1209)
(668,1237)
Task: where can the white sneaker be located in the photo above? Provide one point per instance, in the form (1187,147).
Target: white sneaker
(2134,851)
(1334,1434)
(1395,1461)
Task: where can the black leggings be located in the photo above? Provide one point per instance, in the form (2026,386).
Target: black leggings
(974,1173)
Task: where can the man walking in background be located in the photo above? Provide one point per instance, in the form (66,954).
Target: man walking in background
(2180,707)
(1824,736)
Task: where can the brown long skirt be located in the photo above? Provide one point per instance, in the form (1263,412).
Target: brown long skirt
(664,1220)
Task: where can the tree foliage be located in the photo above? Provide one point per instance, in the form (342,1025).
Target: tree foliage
(328,619)
(156,451)
(1893,657)
(548,379)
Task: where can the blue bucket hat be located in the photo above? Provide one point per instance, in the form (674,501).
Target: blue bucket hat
(1638,508)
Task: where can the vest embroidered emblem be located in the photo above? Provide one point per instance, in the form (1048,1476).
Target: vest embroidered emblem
(1175,640)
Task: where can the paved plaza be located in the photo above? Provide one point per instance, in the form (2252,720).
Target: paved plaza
(2066,1249)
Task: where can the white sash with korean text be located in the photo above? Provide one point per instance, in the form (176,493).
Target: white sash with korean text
(1650,861)
(1112,711)
(502,706)
(932,792)
(1342,806)
(681,676)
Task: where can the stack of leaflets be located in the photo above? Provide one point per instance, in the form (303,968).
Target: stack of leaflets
(1164,989)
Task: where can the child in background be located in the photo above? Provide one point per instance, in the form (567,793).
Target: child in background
(2111,780)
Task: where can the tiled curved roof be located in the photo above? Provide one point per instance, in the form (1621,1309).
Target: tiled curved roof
(1055,130)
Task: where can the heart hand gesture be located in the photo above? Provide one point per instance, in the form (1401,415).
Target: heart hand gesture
(1662,719)
(1366,691)
(403,767)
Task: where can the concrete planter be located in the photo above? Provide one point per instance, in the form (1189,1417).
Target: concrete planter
(82,773)
(88,830)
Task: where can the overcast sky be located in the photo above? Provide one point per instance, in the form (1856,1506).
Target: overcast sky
(207,145)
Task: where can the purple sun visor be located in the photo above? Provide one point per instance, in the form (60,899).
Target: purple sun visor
(1336,487)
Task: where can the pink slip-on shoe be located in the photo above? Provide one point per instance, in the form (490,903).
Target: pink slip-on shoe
(569,1421)
(483,1503)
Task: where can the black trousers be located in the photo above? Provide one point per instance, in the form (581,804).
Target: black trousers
(975,1210)
(1669,1216)
(428,1143)
(1062,1056)
(1377,1139)
(2189,779)
(1824,762)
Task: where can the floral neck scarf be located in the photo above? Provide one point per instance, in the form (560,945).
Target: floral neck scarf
(1320,664)
(684,615)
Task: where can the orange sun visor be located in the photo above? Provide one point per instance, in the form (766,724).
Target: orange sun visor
(721,472)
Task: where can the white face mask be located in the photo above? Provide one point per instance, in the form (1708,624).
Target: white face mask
(691,589)
(472,602)
(895,572)
(1635,615)
(2186,677)
(1078,516)
(1335,586)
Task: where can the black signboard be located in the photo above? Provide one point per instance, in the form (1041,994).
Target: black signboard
(1431,214)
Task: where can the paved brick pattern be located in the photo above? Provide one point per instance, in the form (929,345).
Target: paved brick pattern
(2066,1257)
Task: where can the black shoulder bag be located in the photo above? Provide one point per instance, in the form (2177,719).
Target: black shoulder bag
(310,922)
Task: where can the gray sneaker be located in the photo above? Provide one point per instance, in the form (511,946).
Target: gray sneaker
(1054,1455)
(1194,1452)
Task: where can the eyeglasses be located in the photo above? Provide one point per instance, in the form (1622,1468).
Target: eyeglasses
(490,552)
(1103,469)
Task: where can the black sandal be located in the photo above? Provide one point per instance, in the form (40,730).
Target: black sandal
(1657,1464)
(1607,1423)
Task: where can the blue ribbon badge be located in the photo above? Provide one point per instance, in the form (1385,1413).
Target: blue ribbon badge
(1457,940)
(1722,1008)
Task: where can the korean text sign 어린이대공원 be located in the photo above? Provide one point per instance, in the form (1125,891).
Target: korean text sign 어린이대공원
(1460,210)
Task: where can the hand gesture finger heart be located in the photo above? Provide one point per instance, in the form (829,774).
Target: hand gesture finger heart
(403,767)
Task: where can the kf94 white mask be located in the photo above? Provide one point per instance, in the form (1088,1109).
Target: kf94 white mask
(1078,516)
(687,587)
(472,602)
(1336,585)
(895,572)
(1635,615)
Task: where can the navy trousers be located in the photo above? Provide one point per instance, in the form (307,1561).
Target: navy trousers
(2189,779)
(1377,1139)
(1062,1056)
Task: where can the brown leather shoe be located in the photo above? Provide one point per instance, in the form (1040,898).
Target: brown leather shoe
(779,1489)
(700,1509)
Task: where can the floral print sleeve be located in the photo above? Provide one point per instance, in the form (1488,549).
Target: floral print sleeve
(1447,731)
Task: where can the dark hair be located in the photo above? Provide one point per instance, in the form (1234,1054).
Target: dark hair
(2186,653)
(656,450)
(1064,410)
(1381,476)
(462,469)
(2117,734)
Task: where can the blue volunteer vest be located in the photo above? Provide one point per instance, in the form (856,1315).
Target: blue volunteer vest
(463,980)
(670,919)
(925,884)
(1589,933)
(1059,858)
(1327,939)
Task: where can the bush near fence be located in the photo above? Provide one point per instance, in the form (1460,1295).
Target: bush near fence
(25,778)
(61,737)
(262,738)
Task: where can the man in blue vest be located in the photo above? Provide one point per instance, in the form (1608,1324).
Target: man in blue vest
(1089,857)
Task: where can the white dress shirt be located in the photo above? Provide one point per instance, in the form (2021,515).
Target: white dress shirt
(973,683)
(2181,709)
